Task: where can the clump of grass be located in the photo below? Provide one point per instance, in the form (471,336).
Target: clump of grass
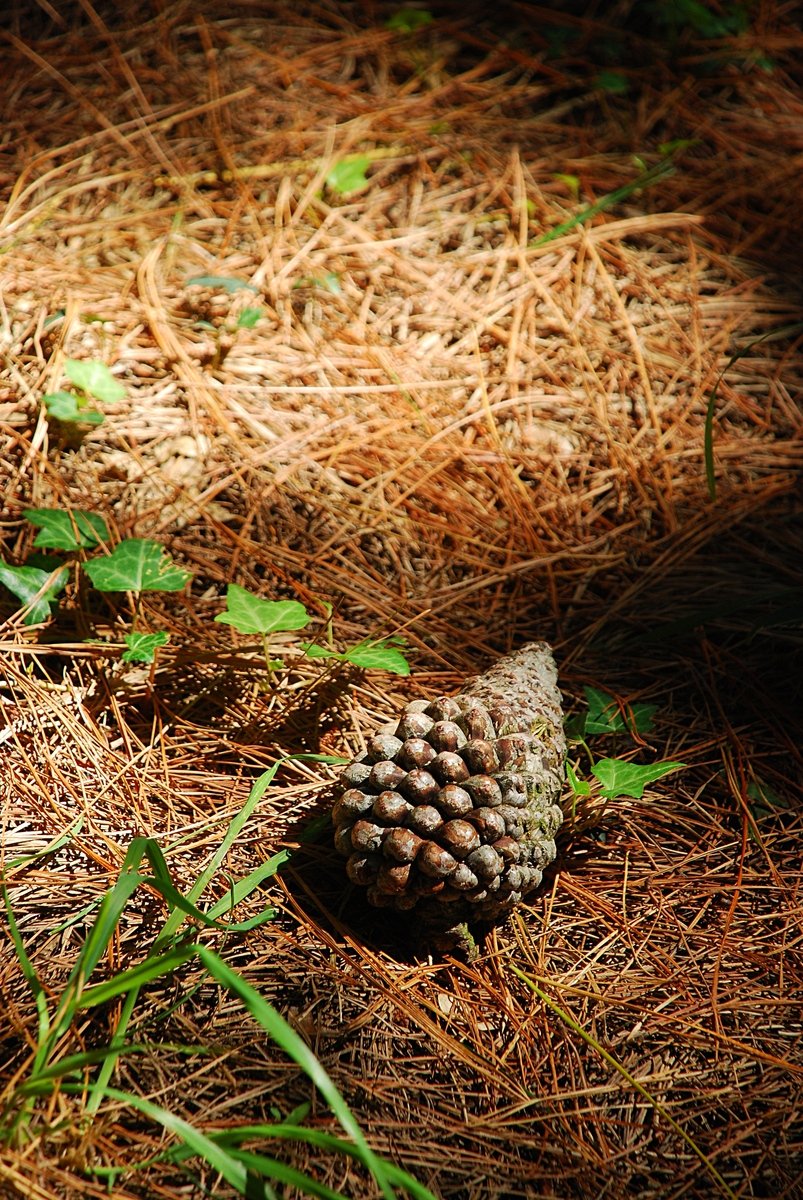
(52,1067)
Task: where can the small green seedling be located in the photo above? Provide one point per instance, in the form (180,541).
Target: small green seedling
(381,654)
(728,20)
(763,802)
(142,647)
(408,20)
(67,407)
(572,182)
(347,177)
(138,565)
(38,583)
(246,319)
(248,613)
(92,380)
(617,776)
(330,282)
(605,714)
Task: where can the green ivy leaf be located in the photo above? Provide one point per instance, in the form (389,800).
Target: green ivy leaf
(142,647)
(578,786)
(407,20)
(66,530)
(26,582)
(681,13)
(379,656)
(137,565)
(45,562)
(250,614)
(368,656)
(314,651)
(605,716)
(348,175)
(64,406)
(222,283)
(95,378)
(620,778)
(612,81)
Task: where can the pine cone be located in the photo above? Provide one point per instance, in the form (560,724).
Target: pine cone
(452,810)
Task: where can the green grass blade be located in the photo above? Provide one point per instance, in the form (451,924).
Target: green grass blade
(76,917)
(74,1062)
(98,1088)
(292,1044)
(234,830)
(8,1124)
(29,971)
(101,933)
(180,903)
(264,781)
(661,170)
(569,1020)
(279,1172)
(111,909)
(152,968)
(50,848)
(234,1172)
(232,1138)
(174,922)
(708,433)
(323,1141)
(76,995)
(244,887)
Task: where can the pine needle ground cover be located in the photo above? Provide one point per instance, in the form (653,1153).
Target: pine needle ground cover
(459,331)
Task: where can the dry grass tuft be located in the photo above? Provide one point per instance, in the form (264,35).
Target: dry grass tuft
(443,429)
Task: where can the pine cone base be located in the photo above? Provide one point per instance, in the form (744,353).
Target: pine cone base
(451,812)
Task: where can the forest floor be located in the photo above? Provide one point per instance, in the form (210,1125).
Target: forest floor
(422,320)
